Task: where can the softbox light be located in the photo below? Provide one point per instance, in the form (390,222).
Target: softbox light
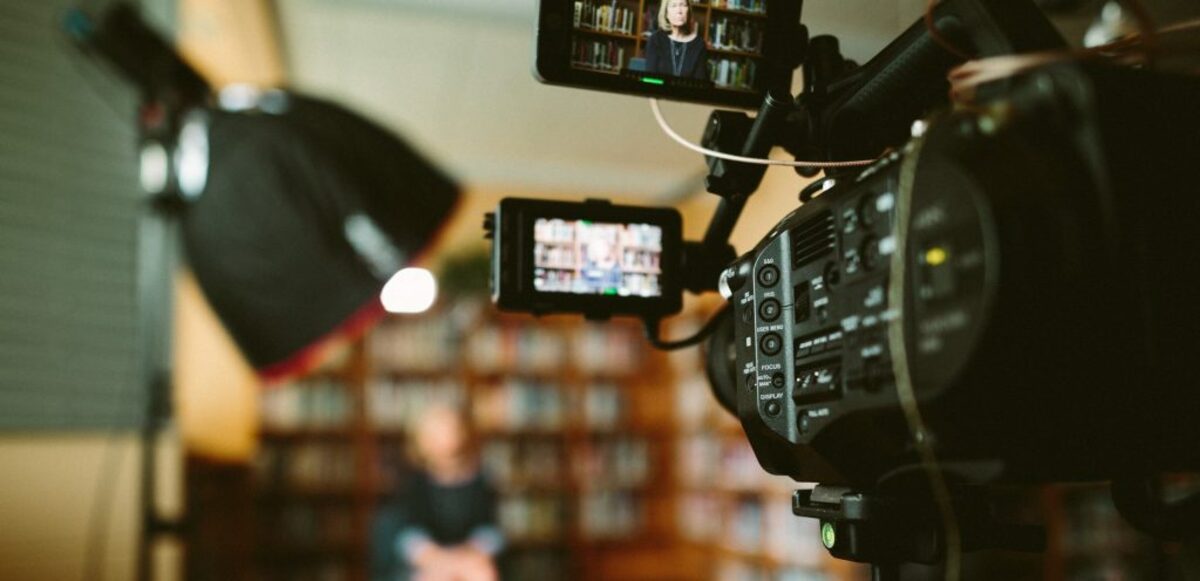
(294,211)
(307,210)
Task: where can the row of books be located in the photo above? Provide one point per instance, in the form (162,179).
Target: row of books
(302,523)
(308,466)
(420,346)
(532,516)
(735,34)
(642,236)
(514,464)
(621,462)
(513,348)
(709,460)
(640,260)
(791,539)
(318,403)
(744,529)
(700,517)
(529,405)
(542,517)
(732,73)
(609,514)
(423,344)
(397,404)
(554,231)
(603,55)
(547,255)
(555,255)
(607,16)
(520,405)
(604,405)
(752,525)
(607,349)
(695,406)
(757,6)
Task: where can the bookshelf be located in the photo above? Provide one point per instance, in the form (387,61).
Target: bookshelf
(609,34)
(310,514)
(573,430)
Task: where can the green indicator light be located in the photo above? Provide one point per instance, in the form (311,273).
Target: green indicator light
(828,535)
(653,81)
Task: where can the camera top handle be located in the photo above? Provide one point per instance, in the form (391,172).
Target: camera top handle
(845,111)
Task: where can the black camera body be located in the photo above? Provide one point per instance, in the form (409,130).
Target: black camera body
(590,257)
(1050,306)
(1031,256)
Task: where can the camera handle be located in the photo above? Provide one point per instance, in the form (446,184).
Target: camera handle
(889,529)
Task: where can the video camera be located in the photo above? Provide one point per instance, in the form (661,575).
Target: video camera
(1004,296)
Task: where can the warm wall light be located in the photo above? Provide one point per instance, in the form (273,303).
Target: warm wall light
(412,290)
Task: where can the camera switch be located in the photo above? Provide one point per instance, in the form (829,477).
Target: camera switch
(771,344)
(769,310)
(768,275)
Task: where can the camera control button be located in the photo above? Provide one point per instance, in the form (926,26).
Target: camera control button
(773,408)
(768,275)
(777,380)
(771,343)
(769,310)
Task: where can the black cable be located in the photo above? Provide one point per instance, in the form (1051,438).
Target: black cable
(651,326)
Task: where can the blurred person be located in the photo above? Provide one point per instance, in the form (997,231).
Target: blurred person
(448,528)
(676,48)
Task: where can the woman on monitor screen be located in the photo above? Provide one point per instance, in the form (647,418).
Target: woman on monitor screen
(677,48)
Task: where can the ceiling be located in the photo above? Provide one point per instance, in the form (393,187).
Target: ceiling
(453,76)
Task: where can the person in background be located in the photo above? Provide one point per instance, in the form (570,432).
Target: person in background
(448,528)
(677,48)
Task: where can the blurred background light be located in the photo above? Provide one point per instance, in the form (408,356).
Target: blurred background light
(411,290)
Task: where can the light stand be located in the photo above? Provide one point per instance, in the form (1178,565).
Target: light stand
(169,88)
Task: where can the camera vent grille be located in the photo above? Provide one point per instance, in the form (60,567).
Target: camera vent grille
(813,239)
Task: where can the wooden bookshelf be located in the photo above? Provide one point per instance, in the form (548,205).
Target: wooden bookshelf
(310,511)
(574,422)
